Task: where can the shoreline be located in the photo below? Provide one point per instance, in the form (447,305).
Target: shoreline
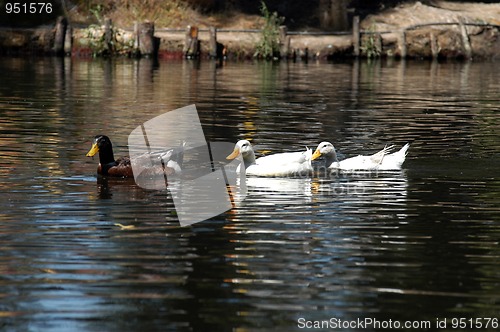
(448,32)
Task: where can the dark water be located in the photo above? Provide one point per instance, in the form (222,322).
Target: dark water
(416,245)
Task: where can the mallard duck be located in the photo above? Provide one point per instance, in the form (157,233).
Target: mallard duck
(173,158)
(382,160)
(279,164)
(108,166)
(159,163)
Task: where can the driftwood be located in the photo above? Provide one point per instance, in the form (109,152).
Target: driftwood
(146,38)
(60,35)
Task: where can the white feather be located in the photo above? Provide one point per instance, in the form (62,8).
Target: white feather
(279,165)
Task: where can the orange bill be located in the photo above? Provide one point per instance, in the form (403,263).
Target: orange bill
(316,155)
(93,150)
(234,154)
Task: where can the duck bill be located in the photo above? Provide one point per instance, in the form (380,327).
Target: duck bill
(93,150)
(316,155)
(234,154)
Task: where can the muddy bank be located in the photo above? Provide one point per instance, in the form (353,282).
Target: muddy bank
(445,29)
(415,30)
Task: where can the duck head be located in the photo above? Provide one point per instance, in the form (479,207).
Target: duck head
(102,144)
(327,150)
(243,148)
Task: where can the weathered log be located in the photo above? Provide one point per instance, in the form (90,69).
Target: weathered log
(378,43)
(284,42)
(434,46)
(60,34)
(191,43)
(465,40)
(146,39)
(68,40)
(402,44)
(108,35)
(355,35)
(213,42)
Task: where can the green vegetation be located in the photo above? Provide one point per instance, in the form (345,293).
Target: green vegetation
(269,45)
(106,45)
(370,44)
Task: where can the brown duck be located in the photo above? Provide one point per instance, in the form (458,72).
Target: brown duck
(108,166)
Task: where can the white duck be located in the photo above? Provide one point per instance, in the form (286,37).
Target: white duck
(382,160)
(279,164)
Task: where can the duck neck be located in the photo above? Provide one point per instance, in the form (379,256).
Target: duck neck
(331,158)
(106,155)
(249,159)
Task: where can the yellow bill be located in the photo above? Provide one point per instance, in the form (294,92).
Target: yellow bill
(316,155)
(93,150)
(234,154)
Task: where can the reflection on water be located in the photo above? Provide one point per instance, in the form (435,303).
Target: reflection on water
(420,243)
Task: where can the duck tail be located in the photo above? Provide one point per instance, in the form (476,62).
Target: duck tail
(404,150)
(400,155)
(308,153)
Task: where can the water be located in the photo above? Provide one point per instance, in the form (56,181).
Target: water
(420,244)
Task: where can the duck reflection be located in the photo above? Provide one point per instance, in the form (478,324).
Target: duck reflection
(328,194)
(277,189)
(363,192)
(125,188)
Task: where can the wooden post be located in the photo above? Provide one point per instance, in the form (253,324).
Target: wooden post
(213,42)
(402,44)
(136,51)
(195,42)
(191,45)
(108,34)
(68,40)
(355,35)
(146,38)
(305,56)
(187,41)
(378,43)
(61,25)
(434,46)
(465,40)
(288,42)
(284,42)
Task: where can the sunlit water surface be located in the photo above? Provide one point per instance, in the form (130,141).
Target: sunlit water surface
(417,244)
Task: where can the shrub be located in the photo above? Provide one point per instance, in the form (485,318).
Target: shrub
(269,45)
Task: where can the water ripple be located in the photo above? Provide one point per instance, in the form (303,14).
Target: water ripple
(82,253)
